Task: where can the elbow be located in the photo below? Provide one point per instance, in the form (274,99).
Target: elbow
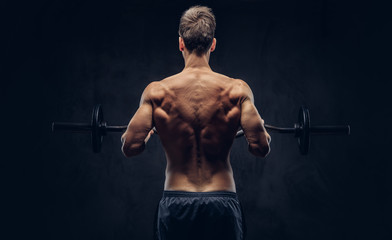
(259,150)
(132,149)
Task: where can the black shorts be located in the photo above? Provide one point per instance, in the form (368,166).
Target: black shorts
(199,215)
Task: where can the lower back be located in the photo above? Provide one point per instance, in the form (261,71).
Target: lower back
(199,181)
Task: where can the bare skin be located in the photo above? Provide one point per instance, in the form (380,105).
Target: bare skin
(197,113)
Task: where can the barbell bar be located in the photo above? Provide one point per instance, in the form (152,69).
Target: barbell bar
(301,130)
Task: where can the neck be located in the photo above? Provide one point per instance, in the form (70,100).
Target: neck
(194,61)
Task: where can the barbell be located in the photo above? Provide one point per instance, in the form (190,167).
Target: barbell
(301,130)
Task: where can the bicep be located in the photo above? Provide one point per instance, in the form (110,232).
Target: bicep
(251,122)
(140,124)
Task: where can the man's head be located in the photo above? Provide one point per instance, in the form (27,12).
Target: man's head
(197,29)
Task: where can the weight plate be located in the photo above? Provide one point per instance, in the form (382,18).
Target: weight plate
(96,133)
(304,134)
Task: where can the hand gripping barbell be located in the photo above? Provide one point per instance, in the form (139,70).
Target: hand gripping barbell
(301,130)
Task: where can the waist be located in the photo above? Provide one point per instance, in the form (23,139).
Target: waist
(218,182)
(228,194)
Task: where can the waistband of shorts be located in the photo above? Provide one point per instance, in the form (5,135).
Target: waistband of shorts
(199,194)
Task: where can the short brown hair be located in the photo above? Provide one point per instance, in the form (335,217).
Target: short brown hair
(197,28)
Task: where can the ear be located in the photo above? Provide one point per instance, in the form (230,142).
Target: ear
(213,45)
(181,44)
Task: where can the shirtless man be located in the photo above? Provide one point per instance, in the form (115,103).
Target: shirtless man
(197,113)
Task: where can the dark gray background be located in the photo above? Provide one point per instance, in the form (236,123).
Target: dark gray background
(61,57)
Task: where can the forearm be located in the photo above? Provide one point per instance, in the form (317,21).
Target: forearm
(259,143)
(130,150)
(259,150)
(130,146)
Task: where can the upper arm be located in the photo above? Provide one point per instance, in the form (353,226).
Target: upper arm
(141,123)
(251,122)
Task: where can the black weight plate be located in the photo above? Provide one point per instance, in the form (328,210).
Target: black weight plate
(304,136)
(96,134)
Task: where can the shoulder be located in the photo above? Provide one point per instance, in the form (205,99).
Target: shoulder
(241,85)
(160,88)
(242,90)
(153,91)
(238,88)
(236,83)
(152,87)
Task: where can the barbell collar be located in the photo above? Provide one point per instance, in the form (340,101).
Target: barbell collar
(98,128)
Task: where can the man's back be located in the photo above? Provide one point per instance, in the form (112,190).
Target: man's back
(197,114)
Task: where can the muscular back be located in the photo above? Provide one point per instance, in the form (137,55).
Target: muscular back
(197,115)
